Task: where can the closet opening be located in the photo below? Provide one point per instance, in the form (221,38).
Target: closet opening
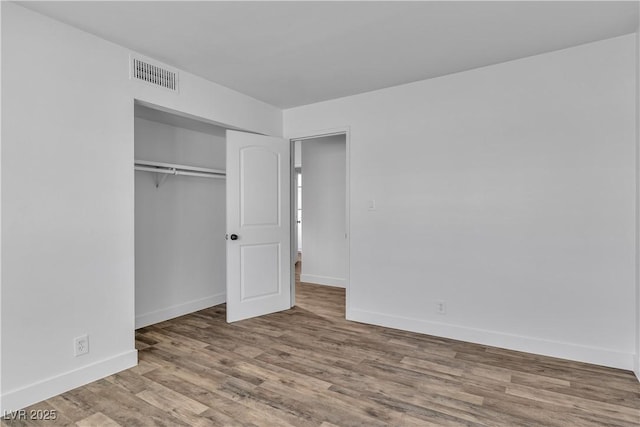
(180,216)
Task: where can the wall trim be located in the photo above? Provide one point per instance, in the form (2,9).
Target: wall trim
(562,350)
(28,395)
(323,280)
(178,310)
(319,133)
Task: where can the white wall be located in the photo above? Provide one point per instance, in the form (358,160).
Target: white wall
(68,199)
(179,226)
(323,210)
(637,358)
(508,192)
(1,133)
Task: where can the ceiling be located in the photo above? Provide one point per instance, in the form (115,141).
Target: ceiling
(296,53)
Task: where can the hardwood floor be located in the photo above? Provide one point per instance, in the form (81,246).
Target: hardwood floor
(310,367)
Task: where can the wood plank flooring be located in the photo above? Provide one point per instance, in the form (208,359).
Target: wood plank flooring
(310,367)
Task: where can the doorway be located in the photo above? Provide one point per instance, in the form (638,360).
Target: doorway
(320,210)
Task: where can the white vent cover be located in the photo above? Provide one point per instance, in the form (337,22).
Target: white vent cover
(153,74)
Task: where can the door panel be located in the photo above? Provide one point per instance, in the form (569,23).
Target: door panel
(258,213)
(260,275)
(260,192)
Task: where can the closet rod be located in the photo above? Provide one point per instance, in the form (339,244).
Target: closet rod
(174,171)
(204,175)
(176,166)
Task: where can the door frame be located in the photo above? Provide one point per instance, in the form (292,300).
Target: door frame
(301,136)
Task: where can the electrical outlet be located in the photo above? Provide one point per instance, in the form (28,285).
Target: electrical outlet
(441,307)
(81,345)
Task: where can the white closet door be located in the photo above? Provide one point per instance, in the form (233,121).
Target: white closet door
(258,225)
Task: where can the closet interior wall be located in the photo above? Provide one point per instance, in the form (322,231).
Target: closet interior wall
(179,225)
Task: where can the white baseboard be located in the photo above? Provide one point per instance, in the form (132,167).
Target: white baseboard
(323,280)
(21,398)
(178,310)
(562,350)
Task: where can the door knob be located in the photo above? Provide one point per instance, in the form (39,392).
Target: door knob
(234,237)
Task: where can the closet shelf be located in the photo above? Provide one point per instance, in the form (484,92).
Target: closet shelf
(173,169)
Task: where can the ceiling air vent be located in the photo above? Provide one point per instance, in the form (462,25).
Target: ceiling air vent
(153,74)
